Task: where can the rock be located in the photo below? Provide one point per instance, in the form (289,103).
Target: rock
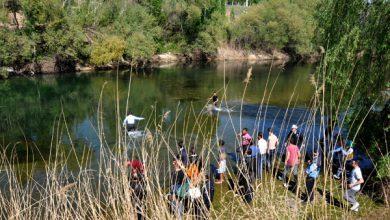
(165,58)
(48,65)
(280,56)
(82,68)
(30,69)
(252,57)
(229,53)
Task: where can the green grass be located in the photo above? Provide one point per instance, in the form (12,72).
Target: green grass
(272,200)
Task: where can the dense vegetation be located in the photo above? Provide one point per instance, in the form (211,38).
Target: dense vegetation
(80,31)
(355,72)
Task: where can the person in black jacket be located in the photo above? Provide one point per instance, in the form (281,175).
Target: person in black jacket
(294,134)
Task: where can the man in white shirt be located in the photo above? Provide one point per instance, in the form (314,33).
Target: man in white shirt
(271,151)
(262,145)
(129,122)
(354,186)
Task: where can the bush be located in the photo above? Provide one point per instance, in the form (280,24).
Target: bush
(140,47)
(16,49)
(383,167)
(275,24)
(108,50)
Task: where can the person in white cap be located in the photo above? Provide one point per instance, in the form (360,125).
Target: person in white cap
(294,134)
(129,122)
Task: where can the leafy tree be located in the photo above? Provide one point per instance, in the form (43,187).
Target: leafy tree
(355,66)
(269,25)
(14,6)
(213,35)
(15,49)
(140,46)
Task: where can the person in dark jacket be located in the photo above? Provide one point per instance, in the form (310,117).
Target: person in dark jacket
(294,134)
(183,153)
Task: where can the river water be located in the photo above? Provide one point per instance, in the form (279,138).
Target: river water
(58,110)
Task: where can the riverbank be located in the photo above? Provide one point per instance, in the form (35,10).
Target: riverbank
(58,64)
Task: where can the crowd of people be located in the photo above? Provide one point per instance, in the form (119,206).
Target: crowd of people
(193,181)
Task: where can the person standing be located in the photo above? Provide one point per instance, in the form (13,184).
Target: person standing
(294,134)
(312,173)
(291,162)
(130,120)
(221,167)
(221,170)
(344,154)
(245,139)
(221,144)
(252,160)
(137,186)
(183,153)
(354,186)
(271,150)
(214,99)
(262,157)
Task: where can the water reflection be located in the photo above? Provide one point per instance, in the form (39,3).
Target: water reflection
(34,110)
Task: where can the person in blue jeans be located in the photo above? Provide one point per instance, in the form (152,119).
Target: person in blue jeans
(252,160)
(262,154)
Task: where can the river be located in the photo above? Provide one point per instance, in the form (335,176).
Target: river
(49,111)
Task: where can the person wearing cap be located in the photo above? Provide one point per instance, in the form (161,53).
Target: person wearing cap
(346,156)
(129,122)
(294,134)
(354,186)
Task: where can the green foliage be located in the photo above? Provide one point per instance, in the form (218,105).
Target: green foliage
(3,73)
(184,21)
(356,65)
(15,49)
(108,50)
(383,167)
(269,25)
(214,35)
(68,28)
(140,47)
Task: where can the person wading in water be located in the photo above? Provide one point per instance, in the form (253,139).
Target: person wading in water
(129,122)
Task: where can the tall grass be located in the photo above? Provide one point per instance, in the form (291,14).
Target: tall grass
(102,191)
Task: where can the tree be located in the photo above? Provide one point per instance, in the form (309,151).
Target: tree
(15,49)
(14,6)
(268,25)
(355,66)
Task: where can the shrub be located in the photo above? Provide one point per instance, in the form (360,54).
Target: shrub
(140,46)
(16,49)
(275,24)
(108,50)
(383,167)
